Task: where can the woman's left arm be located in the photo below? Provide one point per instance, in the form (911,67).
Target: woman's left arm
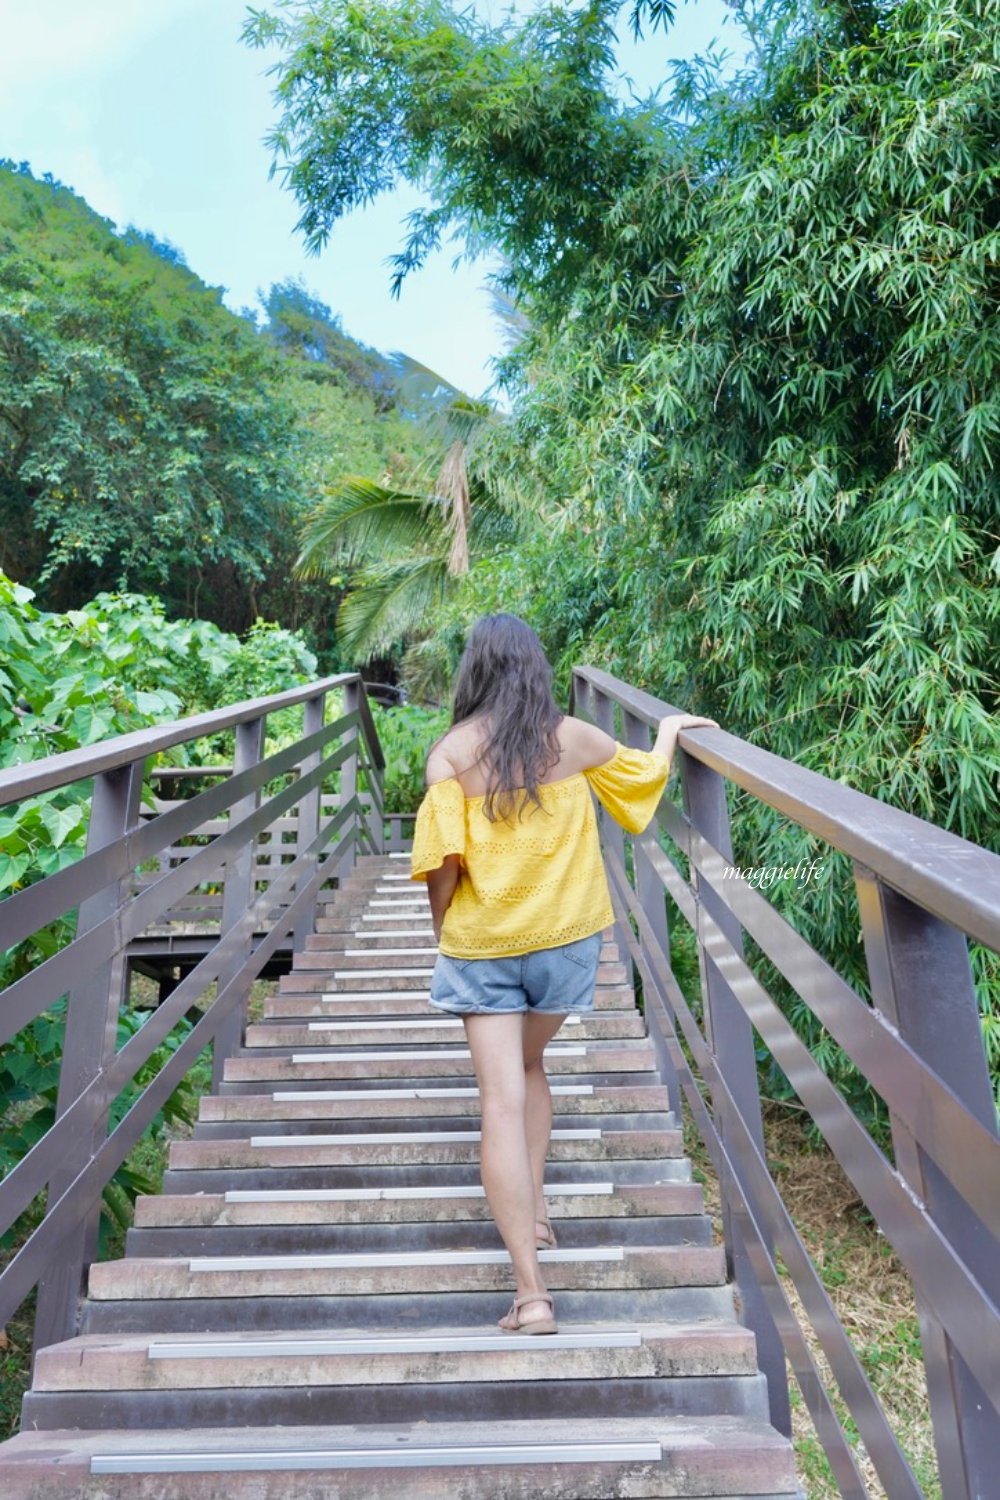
(441,885)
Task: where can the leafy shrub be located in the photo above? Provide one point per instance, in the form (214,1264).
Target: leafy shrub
(406,734)
(67,681)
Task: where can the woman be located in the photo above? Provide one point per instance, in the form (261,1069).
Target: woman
(507,841)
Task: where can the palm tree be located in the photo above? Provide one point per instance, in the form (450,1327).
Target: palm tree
(410,545)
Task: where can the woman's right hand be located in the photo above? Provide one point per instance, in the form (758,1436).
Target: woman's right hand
(688,721)
(666,735)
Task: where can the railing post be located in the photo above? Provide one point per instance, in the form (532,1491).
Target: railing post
(349,779)
(603,712)
(376,819)
(309,815)
(653,900)
(921,981)
(730,1037)
(89,1045)
(237,895)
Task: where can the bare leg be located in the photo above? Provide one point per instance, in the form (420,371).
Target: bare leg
(496,1044)
(539,1029)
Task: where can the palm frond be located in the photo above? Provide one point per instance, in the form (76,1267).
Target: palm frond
(361,519)
(453,488)
(446,412)
(420,387)
(509,313)
(493,523)
(388,602)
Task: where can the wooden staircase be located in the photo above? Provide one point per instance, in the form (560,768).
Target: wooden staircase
(309,1309)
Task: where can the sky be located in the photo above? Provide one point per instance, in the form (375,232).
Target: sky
(155,112)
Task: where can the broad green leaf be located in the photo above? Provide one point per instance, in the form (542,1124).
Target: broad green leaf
(62,822)
(12,868)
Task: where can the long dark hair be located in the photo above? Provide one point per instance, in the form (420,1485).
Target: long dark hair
(504,676)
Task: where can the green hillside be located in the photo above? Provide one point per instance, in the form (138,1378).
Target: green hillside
(152,439)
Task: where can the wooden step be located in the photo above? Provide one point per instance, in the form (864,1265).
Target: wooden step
(404,1175)
(376,1235)
(414,1310)
(445,1062)
(419,1205)
(562,1120)
(392,1032)
(345,1375)
(347,1357)
(395,983)
(344,920)
(389,961)
(412,1104)
(416,1148)
(572,1459)
(356,940)
(401,1234)
(348,1001)
(372,1274)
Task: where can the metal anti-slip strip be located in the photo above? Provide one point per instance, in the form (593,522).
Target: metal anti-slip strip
(285,1096)
(397,1023)
(393,933)
(371,1458)
(458,1343)
(353,996)
(378,974)
(390,1023)
(391,1194)
(376,1258)
(389,952)
(401,1137)
(424,1055)
(381,916)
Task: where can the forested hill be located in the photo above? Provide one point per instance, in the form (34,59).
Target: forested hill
(150,437)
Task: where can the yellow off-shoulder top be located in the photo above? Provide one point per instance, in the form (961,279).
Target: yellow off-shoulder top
(539,881)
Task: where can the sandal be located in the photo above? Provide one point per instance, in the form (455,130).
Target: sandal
(531,1325)
(545,1235)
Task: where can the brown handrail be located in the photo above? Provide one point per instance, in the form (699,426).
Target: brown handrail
(921,892)
(19,782)
(947,875)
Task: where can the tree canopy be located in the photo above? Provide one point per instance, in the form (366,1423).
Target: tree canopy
(151,438)
(764,340)
(760,372)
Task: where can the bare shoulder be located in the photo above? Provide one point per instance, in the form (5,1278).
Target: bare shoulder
(455,751)
(585,743)
(440,761)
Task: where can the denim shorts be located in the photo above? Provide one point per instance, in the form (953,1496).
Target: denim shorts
(558,981)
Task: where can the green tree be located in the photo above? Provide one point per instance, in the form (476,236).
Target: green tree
(143,434)
(410,545)
(152,439)
(762,366)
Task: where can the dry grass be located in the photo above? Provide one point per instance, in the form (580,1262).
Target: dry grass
(869,1289)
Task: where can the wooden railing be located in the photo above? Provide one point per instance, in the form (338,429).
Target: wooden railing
(198,914)
(920,893)
(259,909)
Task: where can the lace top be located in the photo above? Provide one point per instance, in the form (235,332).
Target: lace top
(538,881)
